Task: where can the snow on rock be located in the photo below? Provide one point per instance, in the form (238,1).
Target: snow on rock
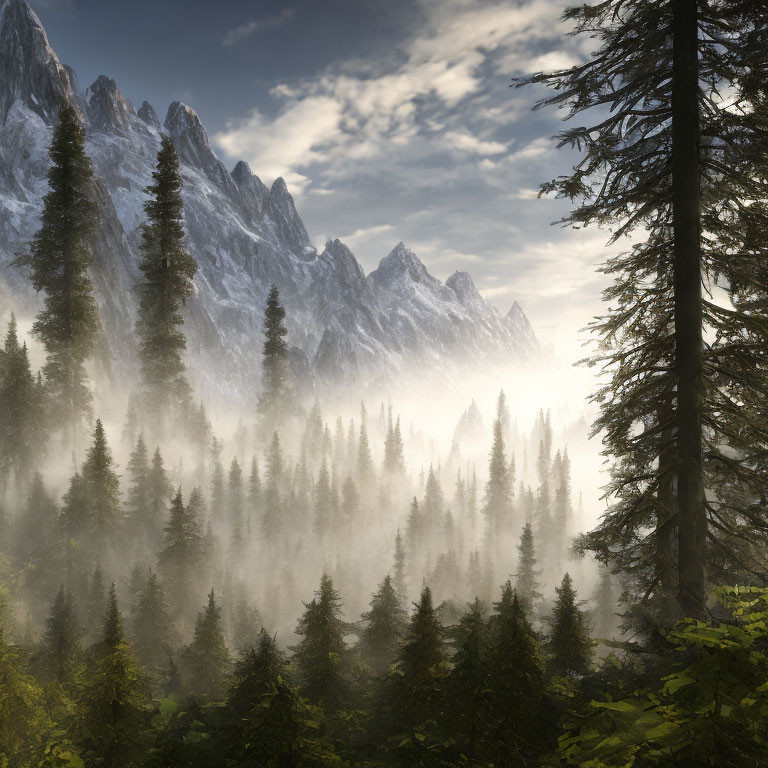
(343,326)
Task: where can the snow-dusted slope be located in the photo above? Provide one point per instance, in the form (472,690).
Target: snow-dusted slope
(244,236)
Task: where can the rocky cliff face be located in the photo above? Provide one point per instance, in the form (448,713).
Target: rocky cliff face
(244,235)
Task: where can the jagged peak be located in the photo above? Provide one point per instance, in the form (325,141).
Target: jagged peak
(279,189)
(107,107)
(402,259)
(182,120)
(516,310)
(30,71)
(147,113)
(241,173)
(462,282)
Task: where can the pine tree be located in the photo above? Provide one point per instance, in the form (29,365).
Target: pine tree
(114,727)
(394,462)
(60,651)
(168,271)
(273,405)
(364,458)
(350,503)
(160,491)
(138,506)
(206,658)
(561,508)
(102,489)
(59,260)
(497,505)
(569,645)
(665,164)
(325,509)
(468,684)
(383,633)
(526,578)
(517,720)
(35,529)
(151,628)
(398,579)
(433,507)
(273,508)
(182,554)
(236,504)
(418,688)
(321,655)
(22,411)
(267,723)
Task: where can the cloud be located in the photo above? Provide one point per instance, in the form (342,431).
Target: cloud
(365,233)
(430,139)
(470,143)
(240,33)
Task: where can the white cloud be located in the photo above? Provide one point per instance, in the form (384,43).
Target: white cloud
(470,143)
(361,111)
(240,33)
(365,233)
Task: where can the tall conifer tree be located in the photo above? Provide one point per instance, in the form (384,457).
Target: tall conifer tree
(60,260)
(168,271)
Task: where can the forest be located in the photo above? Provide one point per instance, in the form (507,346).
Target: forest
(322,582)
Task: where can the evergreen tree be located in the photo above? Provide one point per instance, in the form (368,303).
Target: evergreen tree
(206,658)
(168,271)
(59,260)
(526,578)
(267,723)
(398,579)
(517,720)
(498,496)
(182,553)
(151,627)
(273,511)
(60,651)
(385,625)
(236,504)
(569,645)
(394,462)
(433,507)
(666,164)
(321,654)
(325,509)
(102,489)
(160,491)
(468,684)
(350,503)
(138,506)
(273,403)
(114,726)
(22,412)
(417,695)
(364,458)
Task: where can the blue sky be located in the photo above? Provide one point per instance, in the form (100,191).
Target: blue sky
(390,121)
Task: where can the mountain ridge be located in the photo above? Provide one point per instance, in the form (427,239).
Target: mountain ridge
(244,235)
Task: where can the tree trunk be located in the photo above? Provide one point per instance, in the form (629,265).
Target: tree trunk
(688,307)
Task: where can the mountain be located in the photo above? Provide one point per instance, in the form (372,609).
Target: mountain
(245,235)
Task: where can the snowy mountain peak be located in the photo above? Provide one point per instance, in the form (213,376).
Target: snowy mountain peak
(183,122)
(242,173)
(107,107)
(148,115)
(30,72)
(401,263)
(463,286)
(280,208)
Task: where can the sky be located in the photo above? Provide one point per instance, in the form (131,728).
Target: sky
(389,121)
